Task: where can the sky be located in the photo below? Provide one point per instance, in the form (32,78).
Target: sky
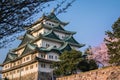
(89,18)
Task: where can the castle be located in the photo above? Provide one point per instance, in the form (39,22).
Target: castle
(40,46)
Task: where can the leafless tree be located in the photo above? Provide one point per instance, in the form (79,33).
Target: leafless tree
(13,14)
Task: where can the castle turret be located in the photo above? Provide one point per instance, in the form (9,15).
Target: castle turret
(42,44)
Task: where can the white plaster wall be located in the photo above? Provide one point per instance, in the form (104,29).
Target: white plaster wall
(37,33)
(74,47)
(47,23)
(34,69)
(46,69)
(19,52)
(42,53)
(37,25)
(24,59)
(21,73)
(61,35)
(6,66)
(54,54)
(51,43)
(39,43)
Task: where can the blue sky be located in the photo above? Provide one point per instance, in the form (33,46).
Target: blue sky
(89,18)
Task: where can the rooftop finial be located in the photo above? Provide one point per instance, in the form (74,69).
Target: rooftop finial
(43,14)
(53,10)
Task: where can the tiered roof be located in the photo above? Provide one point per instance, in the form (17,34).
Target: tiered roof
(52,17)
(29,48)
(51,34)
(65,46)
(10,56)
(28,39)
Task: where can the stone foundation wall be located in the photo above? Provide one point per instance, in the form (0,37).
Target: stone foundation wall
(110,73)
(35,76)
(31,76)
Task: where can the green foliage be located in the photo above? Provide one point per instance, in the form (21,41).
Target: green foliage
(87,65)
(113,43)
(70,62)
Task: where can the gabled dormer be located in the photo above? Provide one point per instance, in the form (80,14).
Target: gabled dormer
(70,39)
(10,56)
(29,48)
(52,17)
(27,38)
(65,47)
(51,35)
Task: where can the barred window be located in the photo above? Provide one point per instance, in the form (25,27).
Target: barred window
(31,67)
(43,65)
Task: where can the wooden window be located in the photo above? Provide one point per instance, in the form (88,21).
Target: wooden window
(36,65)
(3,75)
(63,37)
(42,65)
(50,57)
(22,69)
(31,67)
(26,68)
(55,46)
(14,63)
(49,23)
(53,25)
(42,56)
(14,72)
(27,58)
(6,66)
(18,62)
(10,72)
(47,45)
(55,57)
(18,71)
(24,59)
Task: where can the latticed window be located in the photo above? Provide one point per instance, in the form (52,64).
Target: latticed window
(42,56)
(14,72)
(43,65)
(55,46)
(18,62)
(27,58)
(36,65)
(10,72)
(53,25)
(47,45)
(14,63)
(3,75)
(6,66)
(55,57)
(18,71)
(22,69)
(50,57)
(26,68)
(31,67)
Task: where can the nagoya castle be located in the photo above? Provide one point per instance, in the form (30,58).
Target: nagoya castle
(40,46)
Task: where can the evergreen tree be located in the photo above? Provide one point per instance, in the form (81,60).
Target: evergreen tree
(68,63)
(71,62)
(113,43)
(87,65)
